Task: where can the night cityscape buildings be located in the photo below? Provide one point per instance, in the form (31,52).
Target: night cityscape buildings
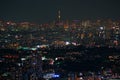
(60,50)
(59,40)
(103,32)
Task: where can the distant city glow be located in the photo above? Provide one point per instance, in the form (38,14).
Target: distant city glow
(44,58)
(51,75)
(23,59)
(101,28)
(67,43)
(74,43)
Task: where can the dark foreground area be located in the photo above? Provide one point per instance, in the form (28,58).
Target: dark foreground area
(70,62)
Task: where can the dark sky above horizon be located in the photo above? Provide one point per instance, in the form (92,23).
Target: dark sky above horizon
(42,11)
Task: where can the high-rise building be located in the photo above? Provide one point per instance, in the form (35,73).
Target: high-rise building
(58,21)
(59,15)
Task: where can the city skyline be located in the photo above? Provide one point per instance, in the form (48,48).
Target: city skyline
(42,11)
(59,40)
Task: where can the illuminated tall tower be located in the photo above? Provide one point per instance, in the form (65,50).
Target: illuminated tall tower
(59,15)
(58,22)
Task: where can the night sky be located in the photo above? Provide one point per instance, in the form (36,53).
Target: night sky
(42,11)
